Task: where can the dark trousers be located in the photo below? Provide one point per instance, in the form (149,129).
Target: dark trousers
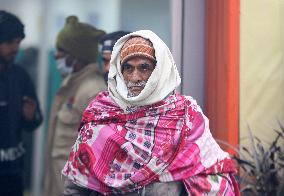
(154,189)
(11,184)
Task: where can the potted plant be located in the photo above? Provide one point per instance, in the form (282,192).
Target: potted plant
(262,166)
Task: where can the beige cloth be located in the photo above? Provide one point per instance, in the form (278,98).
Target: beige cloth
(76,91)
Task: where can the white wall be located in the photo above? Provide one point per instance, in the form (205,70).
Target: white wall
(194,50)
(103,14)
(29,13)
(189,45)
(147,14)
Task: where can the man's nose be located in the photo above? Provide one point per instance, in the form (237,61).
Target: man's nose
(136,76)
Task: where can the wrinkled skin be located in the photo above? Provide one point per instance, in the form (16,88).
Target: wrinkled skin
(136,72)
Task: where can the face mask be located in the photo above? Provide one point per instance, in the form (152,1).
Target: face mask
(63,68)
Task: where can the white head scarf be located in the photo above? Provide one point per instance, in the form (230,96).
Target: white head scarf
(163,80)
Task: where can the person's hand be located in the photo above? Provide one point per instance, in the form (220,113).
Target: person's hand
(29,108)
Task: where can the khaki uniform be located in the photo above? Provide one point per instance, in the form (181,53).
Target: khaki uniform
(76,92)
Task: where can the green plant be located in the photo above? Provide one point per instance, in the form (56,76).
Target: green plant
(262,166)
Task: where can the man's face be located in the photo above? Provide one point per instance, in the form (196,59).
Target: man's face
(60,53)
(9,50)
(106,60)
(136,73)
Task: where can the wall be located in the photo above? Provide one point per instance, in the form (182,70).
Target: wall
(193,72)
(261,67)
(103,14)
(22,8)
(188,45)
(147,14)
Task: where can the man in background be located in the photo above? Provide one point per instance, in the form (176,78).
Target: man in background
(107,42)
(19,107)
(76,55)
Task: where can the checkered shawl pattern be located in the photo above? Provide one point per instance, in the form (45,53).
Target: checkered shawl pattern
(118,152)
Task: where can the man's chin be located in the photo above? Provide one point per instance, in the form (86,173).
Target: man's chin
(6,61)
(133,93)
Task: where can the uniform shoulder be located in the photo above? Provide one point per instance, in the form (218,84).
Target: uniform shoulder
(93,81)
(90,86)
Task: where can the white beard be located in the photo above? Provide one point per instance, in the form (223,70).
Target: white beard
(132,84)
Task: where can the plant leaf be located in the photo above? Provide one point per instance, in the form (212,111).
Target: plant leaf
(242,161)
(255,154)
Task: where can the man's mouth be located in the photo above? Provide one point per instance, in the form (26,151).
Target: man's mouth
(134,89)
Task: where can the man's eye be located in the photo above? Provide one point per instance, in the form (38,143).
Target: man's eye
(126,67)
(146,67)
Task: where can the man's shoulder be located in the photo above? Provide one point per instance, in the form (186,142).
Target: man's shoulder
(93,82)
(191,103)
(102,95)
(190,98)
(14,68)
(186,97)
(188,101)
(20,73)
(92,76)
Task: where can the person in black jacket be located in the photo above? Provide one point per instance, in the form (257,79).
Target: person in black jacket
(19,107)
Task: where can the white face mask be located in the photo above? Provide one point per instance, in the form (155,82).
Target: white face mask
(63,68)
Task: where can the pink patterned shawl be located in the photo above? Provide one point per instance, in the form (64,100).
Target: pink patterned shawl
(118,152)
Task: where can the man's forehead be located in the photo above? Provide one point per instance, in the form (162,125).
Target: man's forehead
(139,60)
(106,52)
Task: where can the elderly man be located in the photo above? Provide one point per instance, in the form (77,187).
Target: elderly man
(144,138)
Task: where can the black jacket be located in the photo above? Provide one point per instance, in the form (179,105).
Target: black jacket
(18,84)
